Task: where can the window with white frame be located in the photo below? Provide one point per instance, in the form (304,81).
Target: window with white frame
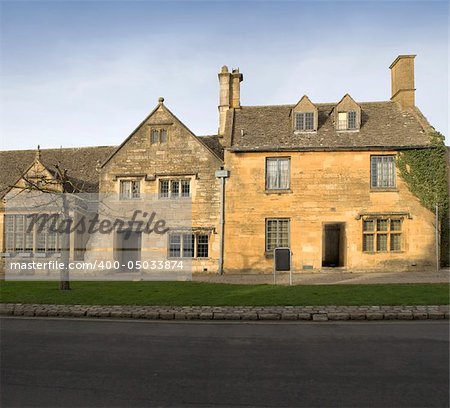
(277,233)
(382,172)
(130,189)
(187,245)
(21,236)
(277,173)
(382,235)
(346,120)
(174,188)
(164,188)
(304,121)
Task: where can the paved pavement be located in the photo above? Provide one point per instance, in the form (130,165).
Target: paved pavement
(248,313)
(85,363)
(331,277)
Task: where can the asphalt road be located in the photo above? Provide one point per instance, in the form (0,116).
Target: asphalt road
(86,363)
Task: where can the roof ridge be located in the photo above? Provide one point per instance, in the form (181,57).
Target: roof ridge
(57,148)
(266,106)
(291,105)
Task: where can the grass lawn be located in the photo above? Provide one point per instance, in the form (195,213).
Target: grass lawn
(208,294)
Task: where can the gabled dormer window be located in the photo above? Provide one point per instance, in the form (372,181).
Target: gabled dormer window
(304,116)
(347,114)
(304,121)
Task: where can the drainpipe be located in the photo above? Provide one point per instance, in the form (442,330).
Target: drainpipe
(222,175)
(437,239)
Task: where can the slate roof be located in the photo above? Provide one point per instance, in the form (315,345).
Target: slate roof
(213,143)
(80,163)
(383,125)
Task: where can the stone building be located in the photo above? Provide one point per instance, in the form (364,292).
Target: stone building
(320,178)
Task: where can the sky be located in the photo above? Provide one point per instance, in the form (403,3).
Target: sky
(86,73)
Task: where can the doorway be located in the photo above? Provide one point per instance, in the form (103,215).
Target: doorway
(333,248)
(128,249)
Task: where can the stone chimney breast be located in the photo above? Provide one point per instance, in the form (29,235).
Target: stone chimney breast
(229,95)
(402,81)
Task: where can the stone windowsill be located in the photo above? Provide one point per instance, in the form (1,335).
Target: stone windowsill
(384,190)
(281,191)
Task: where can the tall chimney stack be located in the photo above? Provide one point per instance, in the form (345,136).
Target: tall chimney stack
(230,94)
(402,81)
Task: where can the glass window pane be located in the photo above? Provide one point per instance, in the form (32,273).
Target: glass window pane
(382,242)
(175,245)
(154,136)
(351,116)
(175,189)
(164,188)
(277,173)
(40,244)
(396,242)
(309,121)
(342,120)
(382,225)
(202,246)
(185,188)
(188,246)
(368,242)
(368,225)
(283,173)
(390,162)
(9,244)
(299,121)
(383,171)
(396,225)
(271,174)
(283,235)
(135,189)
(20,224)
(374,171)
(163,136)
(277,234)
(9,223)
(29,242)
(271,241)
(51,242)
(125,189)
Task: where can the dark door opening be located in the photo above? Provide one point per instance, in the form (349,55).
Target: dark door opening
(128,249)
(333,248)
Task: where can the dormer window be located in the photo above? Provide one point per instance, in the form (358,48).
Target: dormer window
(346,120)
(304,121)
(304,116)
(347,114)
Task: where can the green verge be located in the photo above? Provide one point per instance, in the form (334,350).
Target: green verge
(207,294)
